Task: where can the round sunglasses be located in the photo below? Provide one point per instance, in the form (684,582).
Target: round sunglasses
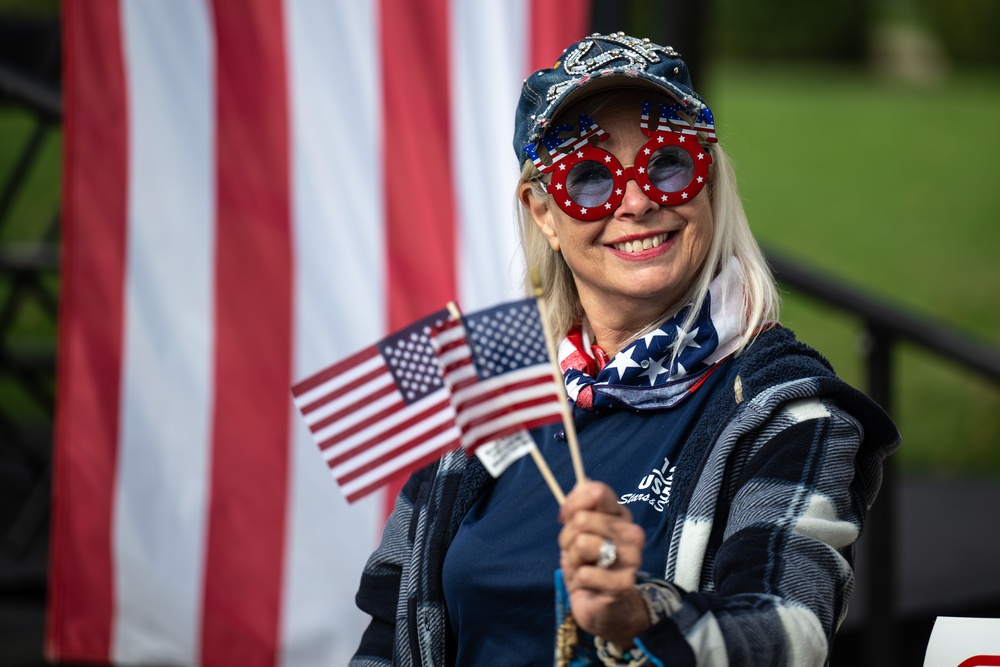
(588,182)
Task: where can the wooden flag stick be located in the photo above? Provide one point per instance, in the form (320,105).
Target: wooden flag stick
(550,479)
(536,455)
(568,424)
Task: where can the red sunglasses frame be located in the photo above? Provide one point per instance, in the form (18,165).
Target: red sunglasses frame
(622,175)
(563,153)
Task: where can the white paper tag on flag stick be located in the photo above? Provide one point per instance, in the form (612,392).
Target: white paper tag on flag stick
(498,455)
(964,642)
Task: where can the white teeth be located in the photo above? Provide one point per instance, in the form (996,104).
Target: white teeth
(644,244)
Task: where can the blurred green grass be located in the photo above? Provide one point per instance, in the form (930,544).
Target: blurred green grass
(31,333)
(34,205)
(896,191)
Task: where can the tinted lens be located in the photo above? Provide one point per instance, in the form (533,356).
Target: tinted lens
(670,169)
(589,183)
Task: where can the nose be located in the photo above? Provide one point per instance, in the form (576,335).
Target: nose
(635,204)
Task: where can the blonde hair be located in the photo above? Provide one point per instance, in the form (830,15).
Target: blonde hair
(731,238)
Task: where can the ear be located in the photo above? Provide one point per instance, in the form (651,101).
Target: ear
(541,213)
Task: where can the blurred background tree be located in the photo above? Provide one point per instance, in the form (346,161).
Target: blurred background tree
(966,28)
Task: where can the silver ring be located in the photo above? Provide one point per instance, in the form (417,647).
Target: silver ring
(607,554)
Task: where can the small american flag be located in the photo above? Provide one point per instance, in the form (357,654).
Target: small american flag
(382,411)
(497,366)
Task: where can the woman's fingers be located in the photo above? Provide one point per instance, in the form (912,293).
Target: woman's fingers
(593,520)
(592,496)
(591,508)
(601,551)
(582,545)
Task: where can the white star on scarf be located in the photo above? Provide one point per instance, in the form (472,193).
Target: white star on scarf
(685,340)
(622,362)
(648,338)
(655,369)
(573,388)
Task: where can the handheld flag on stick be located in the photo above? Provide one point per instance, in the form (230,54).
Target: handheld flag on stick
(381,412)
(496,364)
(557,376)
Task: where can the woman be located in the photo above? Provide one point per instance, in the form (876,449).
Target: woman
(730,470)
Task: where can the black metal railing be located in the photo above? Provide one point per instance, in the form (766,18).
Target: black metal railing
(28,269)
(885,325)
(29,259)
(886,322)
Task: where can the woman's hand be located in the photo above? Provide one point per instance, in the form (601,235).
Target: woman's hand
(605,601)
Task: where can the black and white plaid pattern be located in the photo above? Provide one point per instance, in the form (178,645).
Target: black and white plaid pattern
(770,497)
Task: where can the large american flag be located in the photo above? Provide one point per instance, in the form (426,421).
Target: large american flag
(496,364)
(382,411)
(252,189)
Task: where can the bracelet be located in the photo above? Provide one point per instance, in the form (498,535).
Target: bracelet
(662,599)
(610,655)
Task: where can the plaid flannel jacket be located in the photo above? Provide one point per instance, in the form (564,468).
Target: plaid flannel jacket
(770,496)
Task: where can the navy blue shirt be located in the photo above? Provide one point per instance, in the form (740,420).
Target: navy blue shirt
(499,570)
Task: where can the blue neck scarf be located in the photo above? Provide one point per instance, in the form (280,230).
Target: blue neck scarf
(666,365)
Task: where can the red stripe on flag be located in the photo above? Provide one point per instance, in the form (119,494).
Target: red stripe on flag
(340,437)
(498,389)
(81,584)
(329,373)
(253,310)
(412,443)
(419,200)
(343,391)
(382,435)
(554,26)
(456,366)
(387,390)
(501,411)
(492,436)
(402,473)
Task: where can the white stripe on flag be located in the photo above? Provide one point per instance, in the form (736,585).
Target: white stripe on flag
(459,375)
(322,391)
(489,407)
(349,400)
(489,44)
(334,79)
(167,369)
(330,435)
(493,392)
(490,430)
(384,445)
(374,433)
(398,463)
(450,354)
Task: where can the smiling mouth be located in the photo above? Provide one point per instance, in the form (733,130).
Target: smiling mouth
(639,245)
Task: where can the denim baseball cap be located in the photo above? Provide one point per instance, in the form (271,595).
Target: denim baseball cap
(596,63)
